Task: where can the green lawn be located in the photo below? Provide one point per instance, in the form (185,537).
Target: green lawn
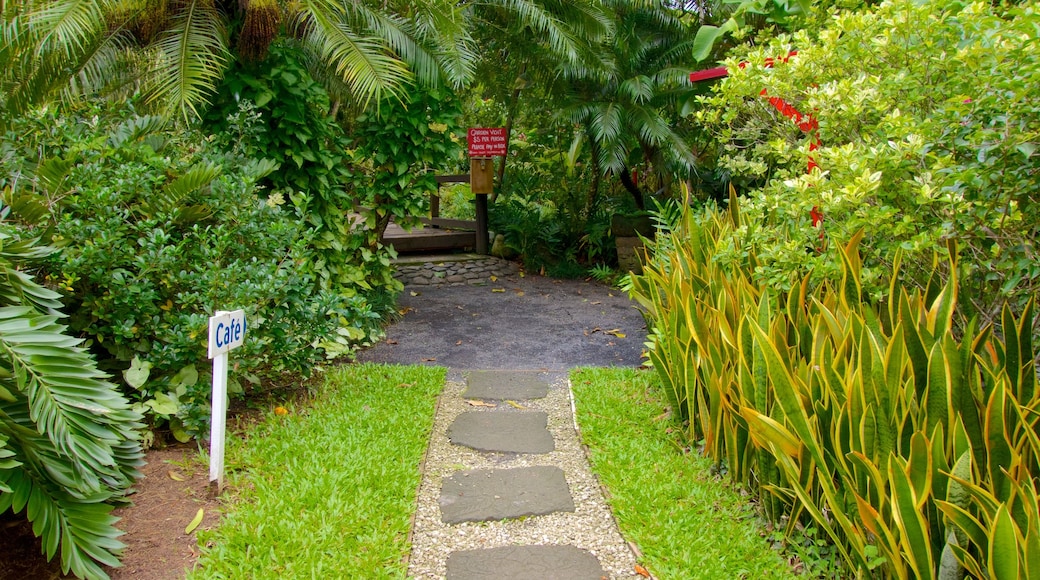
(687,523)
(328,491)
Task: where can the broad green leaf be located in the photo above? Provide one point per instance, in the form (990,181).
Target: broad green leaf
(706,37)
(186,377)
(137,375)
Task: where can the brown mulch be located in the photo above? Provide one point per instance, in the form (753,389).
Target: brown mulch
(174,487)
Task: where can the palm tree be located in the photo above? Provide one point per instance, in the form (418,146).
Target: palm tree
(529,42)
(176,51)
(628,108)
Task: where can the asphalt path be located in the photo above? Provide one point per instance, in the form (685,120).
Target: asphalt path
(514,322)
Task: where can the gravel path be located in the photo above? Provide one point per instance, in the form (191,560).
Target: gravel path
(514,322)
(590,527)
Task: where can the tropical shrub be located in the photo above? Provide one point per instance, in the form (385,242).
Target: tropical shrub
(403,144)
(69,441)
(914,450)
(927,130)
(275,110)
(157,231)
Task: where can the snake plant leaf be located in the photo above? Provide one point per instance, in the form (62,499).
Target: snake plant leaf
(1003,547)
(949,567)
(1012,362)
(968,561)
(1027,372)
(919,469)
(787,395)
(768,433)
(997,447)
(909,520)
(939,380)
(851,289)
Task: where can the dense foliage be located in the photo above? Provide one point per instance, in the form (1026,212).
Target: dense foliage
(928,131)
(403,145)
(158,231)
(275,110)
(69,441)
(913,451)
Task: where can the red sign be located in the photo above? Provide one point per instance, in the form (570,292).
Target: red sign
(486,142)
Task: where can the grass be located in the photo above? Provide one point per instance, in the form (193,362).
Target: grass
(687,523)
(328,491)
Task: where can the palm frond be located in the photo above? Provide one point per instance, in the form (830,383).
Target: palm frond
(443,26)
(191,57)
(361,60)
(67,26)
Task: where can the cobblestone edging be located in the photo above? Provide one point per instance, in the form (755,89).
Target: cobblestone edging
(454,270)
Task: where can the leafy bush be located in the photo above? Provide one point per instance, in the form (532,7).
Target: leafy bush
(928,131)
(913,451)
(404,143)
(157,231)
(69,442)
(275,110)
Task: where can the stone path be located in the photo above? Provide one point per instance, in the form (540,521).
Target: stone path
(507,492)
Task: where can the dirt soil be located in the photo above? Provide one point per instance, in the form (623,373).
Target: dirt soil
(174,488)
(515,322)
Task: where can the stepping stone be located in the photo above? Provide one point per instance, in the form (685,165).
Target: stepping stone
(506,385)
(483,495)
(524,563)
(503,432)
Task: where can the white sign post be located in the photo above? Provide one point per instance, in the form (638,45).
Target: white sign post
(227,330)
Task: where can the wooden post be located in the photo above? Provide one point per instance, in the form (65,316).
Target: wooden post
(481,182)
(482,224)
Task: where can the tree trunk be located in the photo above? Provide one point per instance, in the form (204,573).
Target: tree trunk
(520,84)
(632,188)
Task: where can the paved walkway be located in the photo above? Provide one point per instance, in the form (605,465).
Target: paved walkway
(507,492)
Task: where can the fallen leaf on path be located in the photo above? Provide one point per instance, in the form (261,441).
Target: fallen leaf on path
(596,302)
(494,278)
(175,475)
(405,310)
(458,343)
(516,405)
(391,341)
(194,522)
(478,403)
(498,289)
(430,359)
(616,332)
(416,293)
(642,571)
(521,274)
(518,291)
